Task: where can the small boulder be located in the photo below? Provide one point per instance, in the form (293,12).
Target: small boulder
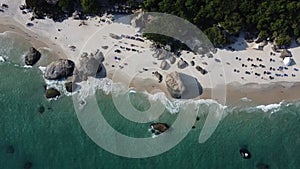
(59,69)
(52,93)
(32,56)
(158,128)
(158,75)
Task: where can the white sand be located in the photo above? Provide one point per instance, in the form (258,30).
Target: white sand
(94,35)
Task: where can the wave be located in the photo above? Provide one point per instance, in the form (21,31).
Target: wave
(273,108)
(2,59)
(108,87)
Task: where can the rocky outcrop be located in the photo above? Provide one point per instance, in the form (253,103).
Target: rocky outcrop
(52,93)
(32,56)
(174,84)
(158,128)
(59,69)
(89,65)
(70,86)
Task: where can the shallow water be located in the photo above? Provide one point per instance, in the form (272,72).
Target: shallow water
(55,139)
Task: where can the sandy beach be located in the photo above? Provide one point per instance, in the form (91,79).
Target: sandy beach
(259,75)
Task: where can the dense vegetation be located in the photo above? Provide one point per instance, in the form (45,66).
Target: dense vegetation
(220,19)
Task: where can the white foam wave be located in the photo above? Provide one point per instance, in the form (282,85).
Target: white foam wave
(271,107)
(2,59)
(27,66)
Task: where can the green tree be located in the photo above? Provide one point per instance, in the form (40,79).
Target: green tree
(88,6)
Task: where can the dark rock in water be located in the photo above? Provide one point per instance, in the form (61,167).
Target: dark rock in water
(45,87)
(245,153)
(159,128)
(32,56)
(193,127)
(41,109)
(52,93)
(197,118)
(27,165)
(10,149)
(59,69)
(262,166)
(70,86)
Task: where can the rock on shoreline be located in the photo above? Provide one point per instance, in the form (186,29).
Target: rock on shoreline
(52,93)
(174,85)
(32,57)
(59,69)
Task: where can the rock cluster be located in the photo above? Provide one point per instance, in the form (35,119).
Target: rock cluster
(89,65)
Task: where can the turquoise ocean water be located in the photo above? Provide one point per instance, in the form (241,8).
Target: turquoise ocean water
(55,139)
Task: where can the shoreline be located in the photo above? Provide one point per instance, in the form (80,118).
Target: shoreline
(252,87)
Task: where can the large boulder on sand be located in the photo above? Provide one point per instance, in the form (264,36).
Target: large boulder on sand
(59,69)
(32,56)
(182,64)
(164,65)
(172,59)
(174,84)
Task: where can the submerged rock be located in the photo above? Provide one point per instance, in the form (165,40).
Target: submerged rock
(52,93)
(262,166)
(158,128)
(27,165)
(174,85)
(41,109)
(10,149)
(32,56)
(59,69)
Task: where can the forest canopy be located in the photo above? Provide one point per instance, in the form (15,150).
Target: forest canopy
(220,20)
(267,19)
